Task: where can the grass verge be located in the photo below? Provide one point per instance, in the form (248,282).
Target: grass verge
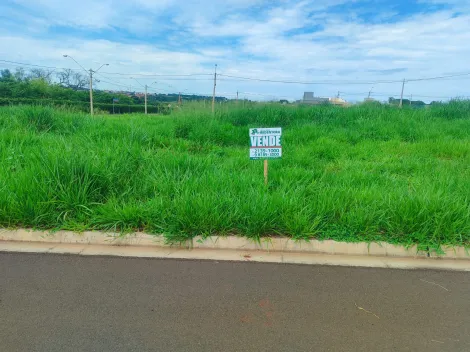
(365,173)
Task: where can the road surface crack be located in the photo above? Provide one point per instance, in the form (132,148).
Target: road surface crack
(367,311)
(437,341)
(433,283)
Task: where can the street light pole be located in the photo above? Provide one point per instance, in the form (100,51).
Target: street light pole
(145,96)
(213,92)
(90,72)
(91,92)
(401,97)
(145,99)
(130,97)
(154,94)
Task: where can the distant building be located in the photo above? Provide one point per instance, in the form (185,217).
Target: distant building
(338,101)
(309,98)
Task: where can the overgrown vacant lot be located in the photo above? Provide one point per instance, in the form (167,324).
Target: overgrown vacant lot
(366,173)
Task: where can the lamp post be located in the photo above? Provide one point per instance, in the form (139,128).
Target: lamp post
(90,72)
(155,93)
(145,97)
(130,97)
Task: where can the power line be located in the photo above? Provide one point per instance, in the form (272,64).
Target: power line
(42,66)
(438,77)
(110,73)
(306,82)
(232,77)
(158,75)
(176,79)
(110,81)
(344,82)
(254,78)
(194,77)
(116,84)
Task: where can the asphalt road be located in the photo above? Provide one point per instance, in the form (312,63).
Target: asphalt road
(70,303)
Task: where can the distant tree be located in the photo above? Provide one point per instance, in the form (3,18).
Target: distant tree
(36,86)
(371,102)
(37,73)
(71,79)
(20,74)
(393,101)
(6,75)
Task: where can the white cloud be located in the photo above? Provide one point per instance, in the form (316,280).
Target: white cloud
(84,13)
(342,49)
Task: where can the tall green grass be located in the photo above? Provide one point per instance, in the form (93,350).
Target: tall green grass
(365,173)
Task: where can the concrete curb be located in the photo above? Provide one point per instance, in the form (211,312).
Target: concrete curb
(283,245)
(235,256)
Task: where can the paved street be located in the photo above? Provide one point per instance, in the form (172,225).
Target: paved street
(70,303)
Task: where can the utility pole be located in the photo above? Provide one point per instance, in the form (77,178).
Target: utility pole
(90,72)
(145,99)
(213,93)
(338,95)
(401,97)
(370,92)
(130,97)
(145,95)
(237,97)
(91,92)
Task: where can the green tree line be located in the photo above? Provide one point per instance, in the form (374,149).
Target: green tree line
(68,87)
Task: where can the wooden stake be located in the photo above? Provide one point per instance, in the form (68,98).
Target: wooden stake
(266,172)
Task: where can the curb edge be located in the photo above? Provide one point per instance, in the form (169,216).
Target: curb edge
(283,245)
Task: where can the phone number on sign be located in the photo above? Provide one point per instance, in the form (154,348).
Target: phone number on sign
(266,153)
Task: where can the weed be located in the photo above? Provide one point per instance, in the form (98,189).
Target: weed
(365,173)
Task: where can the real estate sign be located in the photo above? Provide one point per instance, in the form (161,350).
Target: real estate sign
(265,143)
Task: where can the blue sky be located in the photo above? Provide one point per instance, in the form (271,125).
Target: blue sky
(333,43)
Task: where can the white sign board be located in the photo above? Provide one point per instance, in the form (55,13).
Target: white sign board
(265,143)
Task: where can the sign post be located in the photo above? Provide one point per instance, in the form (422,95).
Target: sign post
(266,171)
(265,143)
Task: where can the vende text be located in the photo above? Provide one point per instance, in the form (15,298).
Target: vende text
(265,141)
